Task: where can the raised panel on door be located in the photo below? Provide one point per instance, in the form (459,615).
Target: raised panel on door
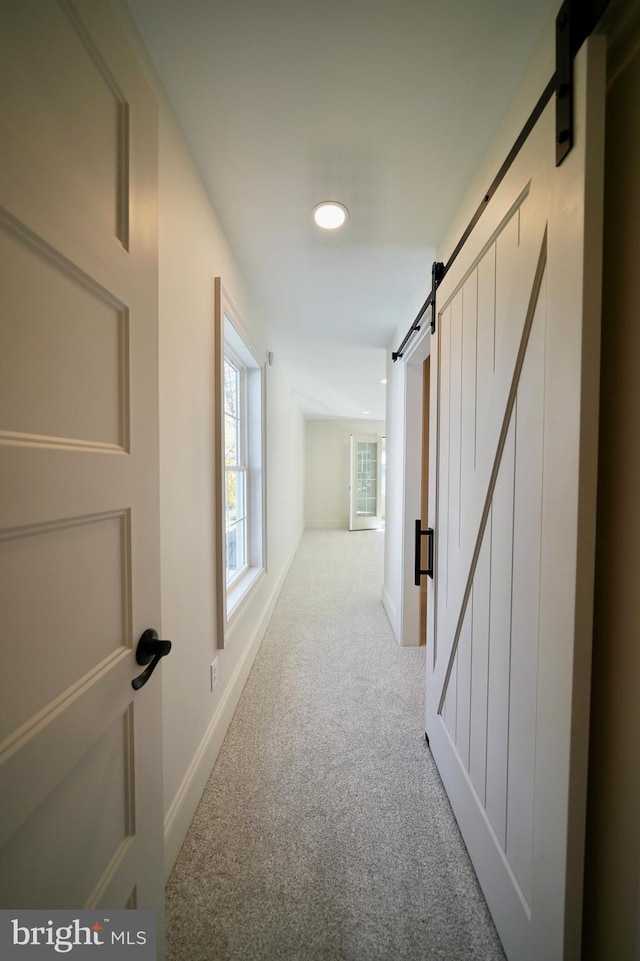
(80,752)
(57,90)
(80,849)
(78,568)
(61,329)
(513,505)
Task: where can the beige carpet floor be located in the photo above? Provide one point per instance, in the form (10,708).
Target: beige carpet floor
(324,833)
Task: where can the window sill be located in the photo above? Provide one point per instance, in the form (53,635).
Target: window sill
(240,590)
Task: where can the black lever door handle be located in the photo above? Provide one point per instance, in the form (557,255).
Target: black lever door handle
(149,651)
(419,534)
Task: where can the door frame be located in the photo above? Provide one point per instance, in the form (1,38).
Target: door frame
(424,486)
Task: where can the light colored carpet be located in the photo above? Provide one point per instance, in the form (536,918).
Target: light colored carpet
(324,832)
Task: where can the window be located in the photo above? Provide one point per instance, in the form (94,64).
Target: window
(235,467)
(241,494)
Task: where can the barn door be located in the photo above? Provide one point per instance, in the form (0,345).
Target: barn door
(515,363)
(80,750)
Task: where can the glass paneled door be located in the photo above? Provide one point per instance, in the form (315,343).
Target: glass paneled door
(365,507)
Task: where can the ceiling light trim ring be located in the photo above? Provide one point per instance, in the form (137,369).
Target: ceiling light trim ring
(330,214)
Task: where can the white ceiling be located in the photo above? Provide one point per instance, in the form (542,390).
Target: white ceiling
(384,106)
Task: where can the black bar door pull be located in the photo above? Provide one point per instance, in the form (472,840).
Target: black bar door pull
(419,535)
(149,651)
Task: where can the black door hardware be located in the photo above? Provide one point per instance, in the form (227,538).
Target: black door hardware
(419,535)
(149,651)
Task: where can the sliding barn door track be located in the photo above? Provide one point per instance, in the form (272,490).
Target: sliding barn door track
(576,20)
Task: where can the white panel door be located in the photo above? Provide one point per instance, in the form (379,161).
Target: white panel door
(80,753)
(514,404)
(365,500)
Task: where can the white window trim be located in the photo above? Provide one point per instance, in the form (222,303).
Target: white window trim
(231,334)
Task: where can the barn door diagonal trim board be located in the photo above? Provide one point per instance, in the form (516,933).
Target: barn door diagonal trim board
(497,461)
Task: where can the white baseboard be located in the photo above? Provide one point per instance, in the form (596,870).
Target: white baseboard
(187,798)
(326,525)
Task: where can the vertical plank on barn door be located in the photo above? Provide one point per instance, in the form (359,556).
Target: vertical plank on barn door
(512,600)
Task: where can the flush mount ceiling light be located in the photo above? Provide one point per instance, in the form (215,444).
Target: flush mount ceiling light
(330,214)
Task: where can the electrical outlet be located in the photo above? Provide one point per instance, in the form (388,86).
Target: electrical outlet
(214,673)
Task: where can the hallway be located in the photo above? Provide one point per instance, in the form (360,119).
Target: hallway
(324,831)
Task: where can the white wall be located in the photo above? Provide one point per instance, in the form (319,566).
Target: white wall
(536,75)
(327,459)
(400,596)
(192,252)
